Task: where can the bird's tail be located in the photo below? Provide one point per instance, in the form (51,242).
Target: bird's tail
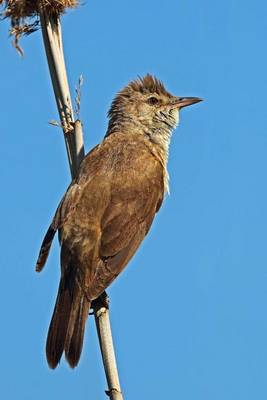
(66,330)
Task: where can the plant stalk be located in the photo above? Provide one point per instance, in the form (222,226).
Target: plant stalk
(102,320)
(73,135)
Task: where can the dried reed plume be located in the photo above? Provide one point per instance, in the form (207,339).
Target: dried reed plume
(23,14)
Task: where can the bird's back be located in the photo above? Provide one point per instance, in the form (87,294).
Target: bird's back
(110,208)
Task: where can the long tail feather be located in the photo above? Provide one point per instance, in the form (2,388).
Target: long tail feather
(75,334)
(58,326)
(66,330)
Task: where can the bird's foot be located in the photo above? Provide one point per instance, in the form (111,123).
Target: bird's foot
(101,301)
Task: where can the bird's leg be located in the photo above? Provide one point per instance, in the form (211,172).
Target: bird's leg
(101,301)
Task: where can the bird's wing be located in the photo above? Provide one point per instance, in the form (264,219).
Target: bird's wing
(136,195)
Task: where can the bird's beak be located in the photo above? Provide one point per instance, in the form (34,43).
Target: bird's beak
(181,102)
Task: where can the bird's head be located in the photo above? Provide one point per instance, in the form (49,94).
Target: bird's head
(144,105)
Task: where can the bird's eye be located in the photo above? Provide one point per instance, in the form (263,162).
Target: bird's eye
(152,100)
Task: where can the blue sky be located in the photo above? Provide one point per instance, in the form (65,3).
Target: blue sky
(189,314)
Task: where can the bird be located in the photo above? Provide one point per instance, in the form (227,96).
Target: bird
(109,207)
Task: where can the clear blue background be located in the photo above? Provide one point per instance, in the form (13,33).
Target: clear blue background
(189,314)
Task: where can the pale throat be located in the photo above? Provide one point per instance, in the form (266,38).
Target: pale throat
(161,137)
(163,129)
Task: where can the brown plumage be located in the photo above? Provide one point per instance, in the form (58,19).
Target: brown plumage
(109,208)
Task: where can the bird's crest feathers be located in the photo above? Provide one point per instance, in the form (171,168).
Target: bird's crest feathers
(146,85)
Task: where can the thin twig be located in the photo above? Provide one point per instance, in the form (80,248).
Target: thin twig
(51,30)
(102,320)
